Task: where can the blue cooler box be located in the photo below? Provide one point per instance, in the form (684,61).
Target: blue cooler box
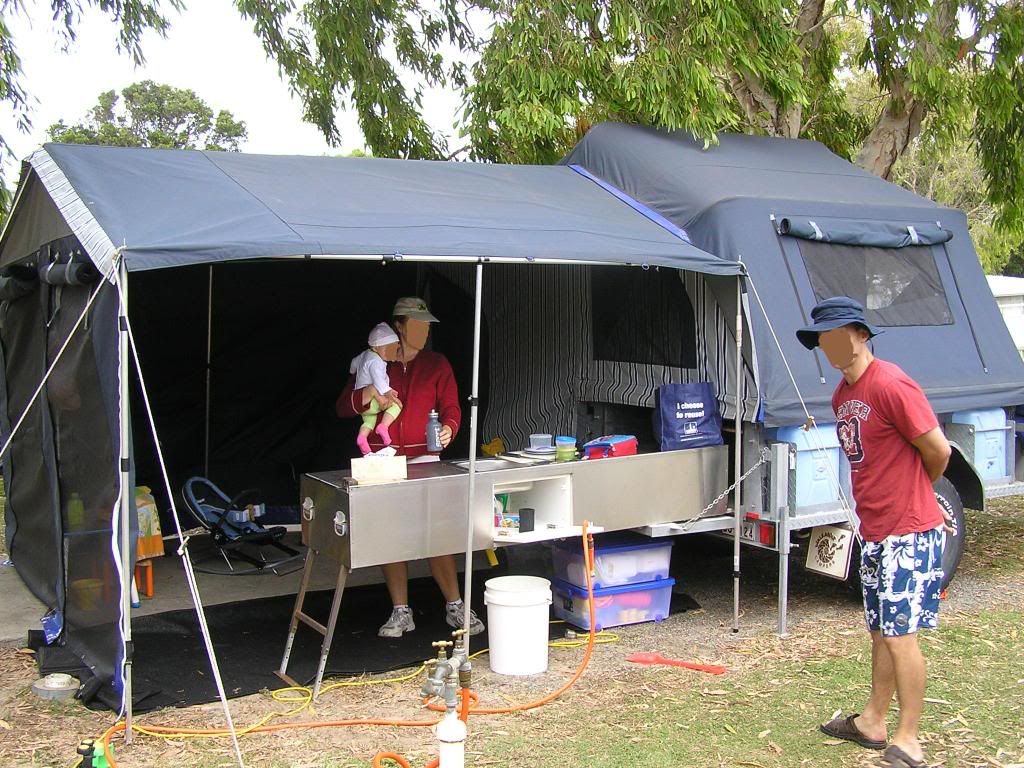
(989,444)
(817,467)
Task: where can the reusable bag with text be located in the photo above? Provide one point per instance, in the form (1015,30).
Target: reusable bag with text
(686,416)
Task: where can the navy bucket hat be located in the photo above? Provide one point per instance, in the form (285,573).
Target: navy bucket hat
(834,313)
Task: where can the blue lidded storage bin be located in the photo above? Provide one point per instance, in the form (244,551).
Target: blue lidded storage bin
(613,606)
(817,463)
(989,447)
(618,560)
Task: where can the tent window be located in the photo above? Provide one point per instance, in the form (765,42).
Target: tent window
(896,286)
(642,316)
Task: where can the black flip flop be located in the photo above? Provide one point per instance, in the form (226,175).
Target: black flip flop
(895,757)
(844,728)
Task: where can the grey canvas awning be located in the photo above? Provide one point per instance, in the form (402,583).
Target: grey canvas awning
(165,208)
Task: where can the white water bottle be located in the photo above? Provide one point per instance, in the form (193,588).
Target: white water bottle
(451,738)
(433,433)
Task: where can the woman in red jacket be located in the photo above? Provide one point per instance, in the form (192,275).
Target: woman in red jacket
(423,381)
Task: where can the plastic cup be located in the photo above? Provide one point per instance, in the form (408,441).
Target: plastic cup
(565,448)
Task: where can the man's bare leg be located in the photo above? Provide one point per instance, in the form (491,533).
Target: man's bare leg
(911,676)
(872,722)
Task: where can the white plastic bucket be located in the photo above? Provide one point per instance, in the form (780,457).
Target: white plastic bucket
(517,624)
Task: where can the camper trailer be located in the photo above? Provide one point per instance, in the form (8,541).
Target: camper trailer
(808,225)
(207,304)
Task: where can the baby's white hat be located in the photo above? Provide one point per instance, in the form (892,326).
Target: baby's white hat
(382,334)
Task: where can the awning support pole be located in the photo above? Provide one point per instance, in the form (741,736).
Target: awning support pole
(738,455)
(467,591)
(126,501)
(209,373)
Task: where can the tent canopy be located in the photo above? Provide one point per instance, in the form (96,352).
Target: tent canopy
(165,208)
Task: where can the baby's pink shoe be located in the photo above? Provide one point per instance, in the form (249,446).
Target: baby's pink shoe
(363,444)
(382,432)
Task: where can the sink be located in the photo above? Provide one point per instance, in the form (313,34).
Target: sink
(487,465)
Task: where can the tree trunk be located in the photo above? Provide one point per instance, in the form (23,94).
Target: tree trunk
(897,126)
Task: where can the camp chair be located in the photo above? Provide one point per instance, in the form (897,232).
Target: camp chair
(222,517)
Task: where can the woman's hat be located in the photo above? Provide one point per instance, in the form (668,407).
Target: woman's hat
(382,334)
(414,308)
(834,313)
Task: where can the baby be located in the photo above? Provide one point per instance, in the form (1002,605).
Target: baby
(371,370)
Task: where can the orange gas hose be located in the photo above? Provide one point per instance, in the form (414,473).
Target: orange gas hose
(466,708)
(396,758)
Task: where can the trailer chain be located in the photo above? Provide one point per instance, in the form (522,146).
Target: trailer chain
(764,459)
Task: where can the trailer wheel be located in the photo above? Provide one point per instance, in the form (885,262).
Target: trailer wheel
(948,498)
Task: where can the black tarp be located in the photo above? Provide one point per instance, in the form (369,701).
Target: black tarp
(730,198)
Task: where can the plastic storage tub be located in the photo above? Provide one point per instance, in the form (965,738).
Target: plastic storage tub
(817,463)
(613,606)
(989,447)
(617,562)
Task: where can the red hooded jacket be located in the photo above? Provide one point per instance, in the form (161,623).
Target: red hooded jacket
(426,383)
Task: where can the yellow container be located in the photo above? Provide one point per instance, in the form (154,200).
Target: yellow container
(87,593)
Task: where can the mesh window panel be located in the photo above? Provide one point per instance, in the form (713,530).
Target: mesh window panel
(642,316)
(33,532)
(897,286)
(80,402)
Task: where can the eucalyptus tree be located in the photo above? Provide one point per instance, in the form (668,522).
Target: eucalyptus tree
(535,73)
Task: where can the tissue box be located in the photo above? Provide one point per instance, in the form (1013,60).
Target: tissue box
(379,469)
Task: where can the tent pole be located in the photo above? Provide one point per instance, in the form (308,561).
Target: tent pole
(126,501)
(473,404)
(738,456)
(209,347)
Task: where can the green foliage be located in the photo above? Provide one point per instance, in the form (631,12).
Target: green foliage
(351,53)
(544,70)
(953,176)
(133,18)
(154,115)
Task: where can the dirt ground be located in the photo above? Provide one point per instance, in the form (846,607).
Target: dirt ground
(629,701)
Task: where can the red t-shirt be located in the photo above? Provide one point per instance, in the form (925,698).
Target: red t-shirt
(426,383)
(878,417)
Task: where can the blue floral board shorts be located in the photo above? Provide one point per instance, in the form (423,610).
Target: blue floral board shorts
(901,578)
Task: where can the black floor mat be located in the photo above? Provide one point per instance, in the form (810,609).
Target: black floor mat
(249,639)
(171,670)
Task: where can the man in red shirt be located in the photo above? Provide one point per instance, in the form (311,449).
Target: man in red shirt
(423,382)
(896,450)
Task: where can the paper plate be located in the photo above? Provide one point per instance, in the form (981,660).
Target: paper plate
(540,451)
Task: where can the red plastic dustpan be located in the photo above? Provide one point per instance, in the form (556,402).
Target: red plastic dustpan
(657,658)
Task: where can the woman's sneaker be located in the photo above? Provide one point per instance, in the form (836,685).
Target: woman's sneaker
(454,616)
(399,623)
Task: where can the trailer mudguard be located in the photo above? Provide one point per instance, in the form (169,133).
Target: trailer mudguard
(965,479)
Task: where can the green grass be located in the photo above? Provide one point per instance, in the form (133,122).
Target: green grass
(770,717)
(994,542)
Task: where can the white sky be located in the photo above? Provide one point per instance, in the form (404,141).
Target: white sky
(209,49)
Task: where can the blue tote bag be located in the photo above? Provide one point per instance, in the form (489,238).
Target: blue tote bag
(686,416)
